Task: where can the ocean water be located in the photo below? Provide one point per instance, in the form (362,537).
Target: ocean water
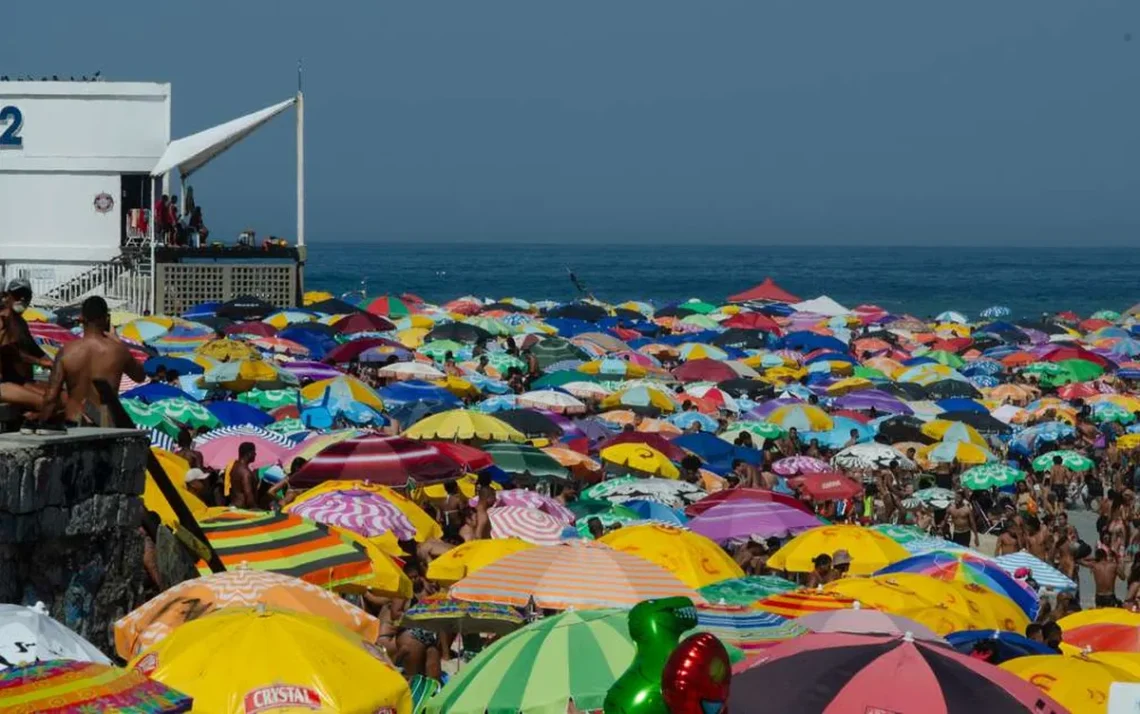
(922,281)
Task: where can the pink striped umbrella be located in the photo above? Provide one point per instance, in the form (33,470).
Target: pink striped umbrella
(793,465)
(219,453)
(529,524)
(361,512)
(531,499)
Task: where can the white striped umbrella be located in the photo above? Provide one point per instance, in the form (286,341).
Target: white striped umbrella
(529,524)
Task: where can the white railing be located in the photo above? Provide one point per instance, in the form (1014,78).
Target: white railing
(126,282)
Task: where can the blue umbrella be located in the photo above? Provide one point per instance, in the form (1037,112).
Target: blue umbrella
(318,343)
(717,453)
(684,420)
(496,404)
(984,381)
(487,385)
(840,434)
(653,511)
(1029,440)
(1010,645)
(179,364)
(810,341)
(239,413)
(206,309)
(415,390)
(568,328)
(961,404)
(409,413)
(154,392)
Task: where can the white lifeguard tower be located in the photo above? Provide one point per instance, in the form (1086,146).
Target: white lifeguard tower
(81,164)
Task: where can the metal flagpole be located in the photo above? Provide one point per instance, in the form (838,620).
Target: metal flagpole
(300,161)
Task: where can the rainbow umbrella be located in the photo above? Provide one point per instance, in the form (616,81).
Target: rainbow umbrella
(66,687)
(444,614)
(966,568)
(750,630)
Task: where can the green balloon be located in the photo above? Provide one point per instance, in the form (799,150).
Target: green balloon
(656,627)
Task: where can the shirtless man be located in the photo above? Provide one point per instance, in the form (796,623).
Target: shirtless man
(187,451)
(98,355)
(1038,540)
(1105,572)
(482,515)
(748,474)
(243,481)
(1009,540)
(789,443)
(18,351)
(1059,478)
(961,520)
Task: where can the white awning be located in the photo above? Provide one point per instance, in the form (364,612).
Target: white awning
(195,151)
(822,305)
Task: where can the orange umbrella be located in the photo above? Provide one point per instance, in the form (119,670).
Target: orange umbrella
(659,426)
(804,602)
(580,465)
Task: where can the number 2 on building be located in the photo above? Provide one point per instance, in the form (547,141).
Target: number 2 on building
(11,135)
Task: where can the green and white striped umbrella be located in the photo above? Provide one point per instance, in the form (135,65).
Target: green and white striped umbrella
(501,362)
(438,349)
(992,475)
(762,429)
(575,656)
(269,398)
(1069,459)
(1107,411)
(186,412)
(143,414)
(743,592)
(901,534)
(288,426)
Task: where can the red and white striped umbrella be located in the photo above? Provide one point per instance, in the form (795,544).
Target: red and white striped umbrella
(529,524)
(362,512)
(531,499)
(386,460)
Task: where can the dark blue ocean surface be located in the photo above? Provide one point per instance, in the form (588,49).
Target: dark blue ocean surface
(922,281)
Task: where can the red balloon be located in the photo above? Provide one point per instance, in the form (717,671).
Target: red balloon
(697,676)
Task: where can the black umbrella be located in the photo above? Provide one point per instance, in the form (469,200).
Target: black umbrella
(903,428)
(579,311)
(984,423)
(530,422)
(246,307)
(737,337)
(457,331)
(1049,328)
(68,316)
(946,388)
(318,327)
(555,349)
(744,387)
(626,314)
(334,306)
(218,323)
(503,306)
(675,311)
(906,390)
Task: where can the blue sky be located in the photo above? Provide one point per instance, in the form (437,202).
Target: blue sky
(729,120)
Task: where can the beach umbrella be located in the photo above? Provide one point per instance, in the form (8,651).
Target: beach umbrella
(577,574)
(552,400)
(186,412)
(555,349)
(152,392)
(859,621)
(749,630)
(291,545)
(745,591)
(146,416)
(227,350)
(833,672)
(154,620)
(362,322)
(1009,645)
(795,465)
(526,524)
(447,615)
(312,371)
(1104,637)
(464,425)
(735,495)
(1029,440)
(961,452)
(383,460)
(899,593)
(991,475)
(571,659)
(342,390)
(1098,615)
(526,460)
(64,686)
(29,634)
(942,430)
(1047,577)
(795,603)
(613,368)
(221,660)
(231,413)
(964,567)
(269,399)
(423,527)
(745,518)
(653,441)
(531,499)
(803,417)
(1079,683)
(532,422)
(388,306)
(871,456)
(693,559)
(758,429)
(869,550)
(221,452)
(254,328)
(471,557)
(358,510)
(644,397)
(828,486)
(1071,460)
(668,492)
(640,458)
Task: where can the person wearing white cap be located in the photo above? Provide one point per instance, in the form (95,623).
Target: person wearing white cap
(18,351)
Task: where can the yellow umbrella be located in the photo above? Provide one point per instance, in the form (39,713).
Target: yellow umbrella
(412,337)
(1127,401)
(629,371)
(1127,661)
(464,425)
(851,384)
(1080,684)
(1100,615)
(256,659)
(1128,442)
(468,488)
(417,322)
(472,556)
(805,417)
(640,397)
(175,467)
(693,558)
(869,550)
(315,296)
(940,619)
(118,317)
(426,526)
(898,592)
(640,457)
(227,350)
(785,374)
(458,386)
(946,452)
(357,390)
(958,431)
(35,314)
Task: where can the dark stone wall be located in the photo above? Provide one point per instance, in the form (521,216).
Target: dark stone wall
(70,509)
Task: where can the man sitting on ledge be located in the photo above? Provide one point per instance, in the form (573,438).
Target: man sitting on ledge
(98,355)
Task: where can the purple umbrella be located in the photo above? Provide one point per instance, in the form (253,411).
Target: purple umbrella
(312,370)
(873,399)
(366,513)
(762,410)
(742,519)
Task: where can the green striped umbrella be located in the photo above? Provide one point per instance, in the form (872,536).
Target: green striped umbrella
(288,426)
(901,534)
(762,429)
(555,349)
(747,590)
(186,412)
(269,398)
(525,459)
(540,669)
(1069,459)
(987,476)
(143,414)
(1107,411)
(438,349)
(502,361)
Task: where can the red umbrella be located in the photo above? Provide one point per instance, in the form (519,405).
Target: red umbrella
(753,321)
(650,439)
(363,322)
(1077,390)
(743,494)
(829,486)
(385,460)
(1105,637)
(830,673)
(852,415)
(470,457)
(289,411)
(704,370)
(253,327)
(767,291)
(1074,352)
(351,350)
(953,344)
